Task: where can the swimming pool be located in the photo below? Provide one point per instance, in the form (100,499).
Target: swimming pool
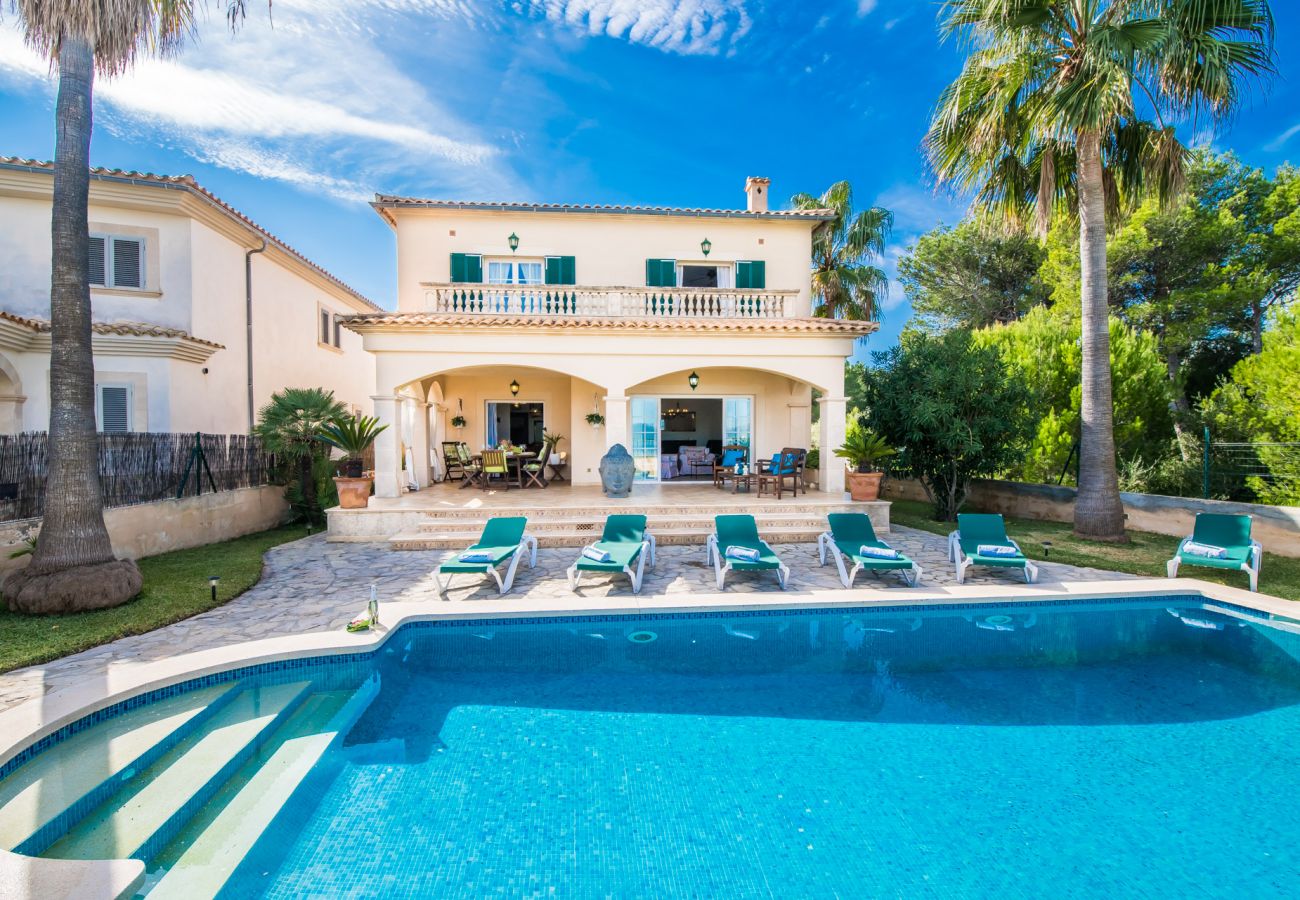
(1026,749)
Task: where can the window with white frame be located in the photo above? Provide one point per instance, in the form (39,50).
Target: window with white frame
(117,261)
(328,329)
(514,271)
(113,408)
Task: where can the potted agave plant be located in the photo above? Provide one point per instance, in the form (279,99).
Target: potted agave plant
(864,449)
(353,435)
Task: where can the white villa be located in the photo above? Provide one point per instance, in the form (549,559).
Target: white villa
(681,327)
(199,313)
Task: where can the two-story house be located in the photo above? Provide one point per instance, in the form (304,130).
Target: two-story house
(680,327)
(199,313)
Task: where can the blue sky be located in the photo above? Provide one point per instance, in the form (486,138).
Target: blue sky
(303,114)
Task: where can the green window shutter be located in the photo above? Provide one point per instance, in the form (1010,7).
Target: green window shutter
(561,270)
(661,273)
(466,268)
(751,275)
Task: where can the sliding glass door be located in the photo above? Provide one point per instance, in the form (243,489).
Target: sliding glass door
(645,426)
(737,421)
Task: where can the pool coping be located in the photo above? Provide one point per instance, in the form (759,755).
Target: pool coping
(32,720)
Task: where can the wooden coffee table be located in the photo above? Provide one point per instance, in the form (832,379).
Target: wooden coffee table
(759,482)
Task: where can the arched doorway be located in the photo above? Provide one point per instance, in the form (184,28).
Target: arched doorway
(11,399)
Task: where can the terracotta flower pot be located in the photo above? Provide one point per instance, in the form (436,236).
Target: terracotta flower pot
(865,485)
(354,493)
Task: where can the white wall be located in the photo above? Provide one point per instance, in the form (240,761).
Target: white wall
(196,285)
(609,250)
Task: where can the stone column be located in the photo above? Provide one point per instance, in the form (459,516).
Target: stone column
(420,443)
(616,425)
(834,422)
(388,446)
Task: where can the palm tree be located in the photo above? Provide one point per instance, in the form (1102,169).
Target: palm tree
(1049,109)
(292,426)
(843,279)
(73,567)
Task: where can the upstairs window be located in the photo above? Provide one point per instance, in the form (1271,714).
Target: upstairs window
(514,271)
(113,408)
(116,261)
(329,331)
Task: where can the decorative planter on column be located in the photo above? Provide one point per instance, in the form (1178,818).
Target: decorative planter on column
(617,470)
(864,485)
(354,493)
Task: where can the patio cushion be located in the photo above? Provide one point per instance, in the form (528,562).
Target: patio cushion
(500,538)
(975,529)
(731,457)
(742,531)
(621,539)
(853,531)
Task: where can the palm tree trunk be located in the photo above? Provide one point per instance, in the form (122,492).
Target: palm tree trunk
(73,566)
(1098,511)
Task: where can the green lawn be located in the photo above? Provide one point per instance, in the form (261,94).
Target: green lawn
(1144,554)
(175,588)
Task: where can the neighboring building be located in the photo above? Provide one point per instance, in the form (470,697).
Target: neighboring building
(522,318)
(170,301)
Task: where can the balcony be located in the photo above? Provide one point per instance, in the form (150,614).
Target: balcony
(578,302)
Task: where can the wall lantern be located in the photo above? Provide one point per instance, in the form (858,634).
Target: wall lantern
(513,240)
(705,246)
(514,389)
(693,380)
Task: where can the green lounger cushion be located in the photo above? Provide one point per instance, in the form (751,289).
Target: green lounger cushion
(1231,532)
(851,531)
(622,540)
(982,528)
(742,531)
(500,538)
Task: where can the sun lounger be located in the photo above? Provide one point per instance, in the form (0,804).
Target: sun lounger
(981,540)
(852,536)
(1220,541)
(736,546)
(503,540)
(625,543)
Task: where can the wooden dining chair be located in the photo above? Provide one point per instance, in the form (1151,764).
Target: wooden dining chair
(471,470)
(495,463)
(535,471)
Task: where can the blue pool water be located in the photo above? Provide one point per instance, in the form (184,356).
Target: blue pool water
(1046,751)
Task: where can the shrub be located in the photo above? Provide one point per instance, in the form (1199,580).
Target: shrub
(953,410)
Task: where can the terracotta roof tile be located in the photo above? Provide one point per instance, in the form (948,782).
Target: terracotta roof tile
(388,201)
(755,326)
(127,329)
(188,182)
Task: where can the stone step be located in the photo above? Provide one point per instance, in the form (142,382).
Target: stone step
(596,523)
(205,855)
(42,799)
(458,540)
(536,513)
(149,810)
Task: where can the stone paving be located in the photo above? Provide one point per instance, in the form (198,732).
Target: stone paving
(311,585)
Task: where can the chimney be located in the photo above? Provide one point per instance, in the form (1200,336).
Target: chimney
(756,193)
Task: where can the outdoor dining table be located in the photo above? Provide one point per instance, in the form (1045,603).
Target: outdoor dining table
(518,458)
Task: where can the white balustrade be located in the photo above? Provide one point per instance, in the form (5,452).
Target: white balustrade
(578,302)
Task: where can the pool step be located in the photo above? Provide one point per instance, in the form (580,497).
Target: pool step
(212,845)
(148,811)
(40,799)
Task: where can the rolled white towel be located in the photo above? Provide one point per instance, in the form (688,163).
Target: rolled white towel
(475,556)
(595,554)
(996,550)
(744,554)
(1209,551)
(877,552)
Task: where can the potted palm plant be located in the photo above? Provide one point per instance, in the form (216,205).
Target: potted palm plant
(864,449)
(353,435)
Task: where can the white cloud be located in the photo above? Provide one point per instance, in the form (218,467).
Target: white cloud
(674,26)
(304,100)
(867,7)
(1276,144)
